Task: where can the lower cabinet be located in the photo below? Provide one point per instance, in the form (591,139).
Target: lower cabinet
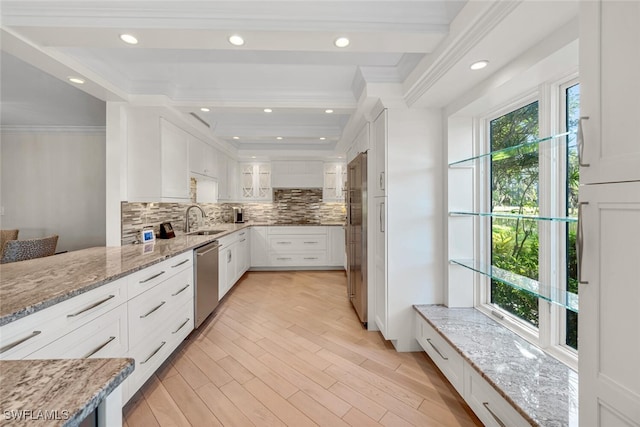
(492,409)
(234,258)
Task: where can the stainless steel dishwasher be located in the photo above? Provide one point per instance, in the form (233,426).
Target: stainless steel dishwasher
(206,272)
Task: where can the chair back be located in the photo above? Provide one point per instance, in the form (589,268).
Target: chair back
(6,235)
(20,250)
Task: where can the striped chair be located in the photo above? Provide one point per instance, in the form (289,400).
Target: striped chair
(20,250)
(6,235)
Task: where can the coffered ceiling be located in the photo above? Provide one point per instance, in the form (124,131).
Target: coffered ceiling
(288,63)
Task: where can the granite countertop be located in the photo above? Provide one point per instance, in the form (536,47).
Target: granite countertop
(63,391)
(33,285)
(542,389)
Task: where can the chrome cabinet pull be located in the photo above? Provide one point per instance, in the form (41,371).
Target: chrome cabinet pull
(283,259)
(495,417)
(381,180)
(283,243)
(243,240)
(180,291)
(311,243)
(20,341)
(152,277)
(311,257)
(153,309)
(580,142)
(382,217)
(436,349)
(154,353)
(97,349)
(92,306)
(181,326)
(180,263)
(580,244)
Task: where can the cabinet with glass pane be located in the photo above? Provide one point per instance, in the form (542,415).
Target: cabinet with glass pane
(335,178)
(255,181)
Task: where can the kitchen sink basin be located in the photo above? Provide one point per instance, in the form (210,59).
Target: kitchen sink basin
(206,232)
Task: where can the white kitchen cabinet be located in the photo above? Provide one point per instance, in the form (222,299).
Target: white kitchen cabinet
(297,174)
(255,181)
(233,260)
(336,246)
(335,178)
(223,261)
(227,178)
(379,157)
(609,295)
(244,252)
(259,244)
(610,214)
(610,90)
(157,158)
(174,149)
(409,140)
(202,158)
(23,337)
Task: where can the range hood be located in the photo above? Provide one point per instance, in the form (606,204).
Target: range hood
(297,174)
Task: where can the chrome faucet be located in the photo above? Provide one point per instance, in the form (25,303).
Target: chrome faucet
(186,217)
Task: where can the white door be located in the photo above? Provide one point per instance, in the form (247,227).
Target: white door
(609,319)
(610,98)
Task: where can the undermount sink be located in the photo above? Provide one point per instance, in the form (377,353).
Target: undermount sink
(206,232)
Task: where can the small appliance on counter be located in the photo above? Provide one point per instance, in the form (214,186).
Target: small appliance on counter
(237,215)
(166,231)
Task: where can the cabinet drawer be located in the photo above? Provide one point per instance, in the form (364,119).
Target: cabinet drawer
(24,336)
(488,405)
(306,259)
(105,336)
(149,277)
(298,243)
(297,230)
(148,310)
(443,355)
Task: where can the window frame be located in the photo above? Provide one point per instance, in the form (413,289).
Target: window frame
(550,335)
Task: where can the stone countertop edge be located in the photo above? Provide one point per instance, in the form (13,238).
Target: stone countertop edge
(77,386)
(167,248)
(531,419)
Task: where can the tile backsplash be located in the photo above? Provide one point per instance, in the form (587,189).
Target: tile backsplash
(289,206)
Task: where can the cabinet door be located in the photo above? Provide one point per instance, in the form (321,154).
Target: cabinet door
(609,318)
(244,252)
(336,246)
(223,261)
(247,181)
(232,179)
(380,279)
(379,136)
(259,247)
(174,145)
(196,155)
(223,181)
(232,265)
(610,90)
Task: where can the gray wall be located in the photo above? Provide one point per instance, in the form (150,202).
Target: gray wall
(54,183)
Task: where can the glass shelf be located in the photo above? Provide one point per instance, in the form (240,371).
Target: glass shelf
(557,296)
(520,149)
(513,216)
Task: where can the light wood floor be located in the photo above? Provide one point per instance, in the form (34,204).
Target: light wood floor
(286,348)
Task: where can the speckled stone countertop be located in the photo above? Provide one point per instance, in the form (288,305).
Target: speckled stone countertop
(67,390)
(542,389)
(33,285)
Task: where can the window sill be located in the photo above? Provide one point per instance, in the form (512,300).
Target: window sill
(539,387)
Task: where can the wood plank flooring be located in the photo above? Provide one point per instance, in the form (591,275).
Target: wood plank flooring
(286,349)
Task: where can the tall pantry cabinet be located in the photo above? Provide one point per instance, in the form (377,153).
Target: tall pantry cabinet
(609,235)
(406,150)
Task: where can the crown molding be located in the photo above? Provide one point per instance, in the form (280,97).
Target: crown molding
(461,45)
(52,129)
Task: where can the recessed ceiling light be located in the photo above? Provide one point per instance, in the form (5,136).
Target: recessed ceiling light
(205,109)
(76,80)
(329,111)
(128,38)
(339,157)
(253,157)
(479,65)
(322,138)
(236,40)
(341,42)
(236,137)
(267,110)
(278,137)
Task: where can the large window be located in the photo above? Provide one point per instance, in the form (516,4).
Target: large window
(532,194)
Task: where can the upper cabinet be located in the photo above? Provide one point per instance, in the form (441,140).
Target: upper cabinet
(335,179)
(610,91)
(297,174)
(255,181)
(157,158)
(227,178)
(379,142)
(202,158)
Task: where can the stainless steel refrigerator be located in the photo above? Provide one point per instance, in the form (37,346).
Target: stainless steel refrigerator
(356,235)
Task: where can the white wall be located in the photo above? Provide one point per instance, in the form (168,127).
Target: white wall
(54,183)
